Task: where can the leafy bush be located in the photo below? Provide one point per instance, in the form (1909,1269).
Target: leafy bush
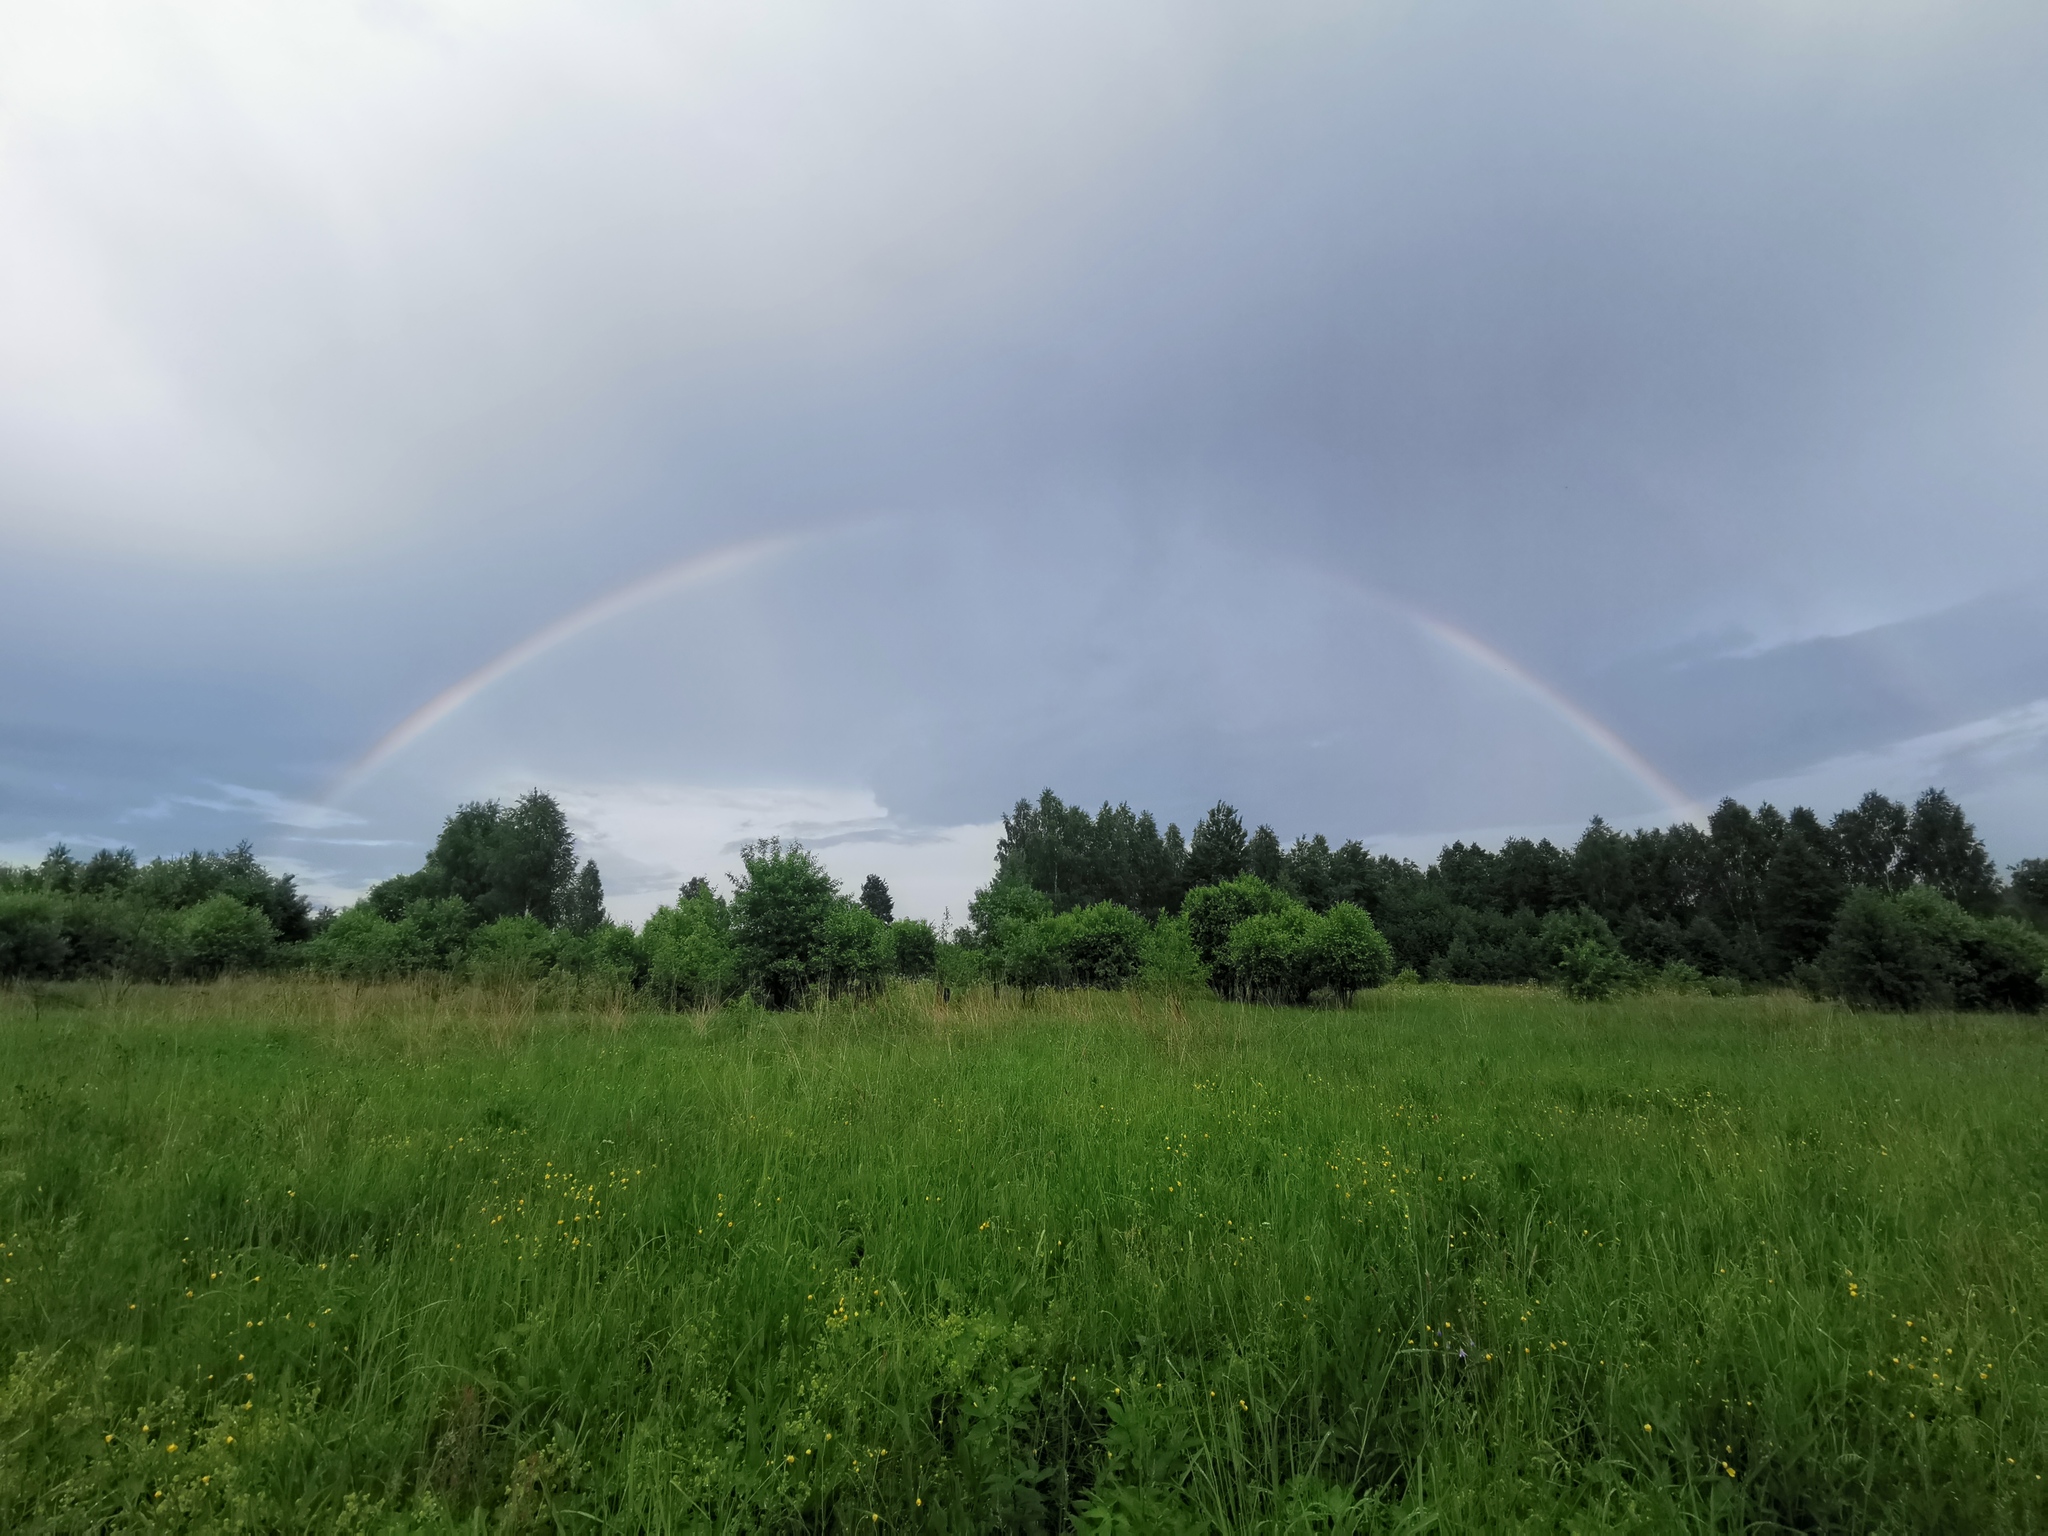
(1918,950)
(779,915)
(2009,966)
(1266,956)
(1169,962)
(362,945)
(1029,954)
(1490,947)
(957,964)
(220,935)
(1583,957)
(1346,952)
(177,884)
(1104,945)
(511,951)
(853,951)
(914,947)
(1289,954)
(32,941)
(998,907)
(608,955)
(691,962)
(1212,911)
(1889,953)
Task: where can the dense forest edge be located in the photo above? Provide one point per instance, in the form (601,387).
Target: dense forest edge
(1882,906)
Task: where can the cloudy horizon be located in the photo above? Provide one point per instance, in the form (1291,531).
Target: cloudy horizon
(1403,422)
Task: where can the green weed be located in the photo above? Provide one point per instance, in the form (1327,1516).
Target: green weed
(293,1255)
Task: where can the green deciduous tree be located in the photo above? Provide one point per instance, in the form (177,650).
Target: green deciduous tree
(1944,853)
(779,912)
(2028,890)
(1216,848)
(504,862)
(1870,843)
(1170,963)
(1802,892)
(511,951)
(1263,857)
(33,944)
(580,907)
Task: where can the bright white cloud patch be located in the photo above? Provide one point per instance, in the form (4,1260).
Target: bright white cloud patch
(650,838)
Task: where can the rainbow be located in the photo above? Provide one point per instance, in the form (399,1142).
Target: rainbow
(731,559)
(1602,737)
(692,571)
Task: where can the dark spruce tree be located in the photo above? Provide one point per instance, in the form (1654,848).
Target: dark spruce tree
(874,895)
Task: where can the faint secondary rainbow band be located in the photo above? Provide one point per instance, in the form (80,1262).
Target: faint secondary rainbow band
(734,558)
(683,574)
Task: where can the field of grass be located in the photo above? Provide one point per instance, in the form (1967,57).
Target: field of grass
(296,1256)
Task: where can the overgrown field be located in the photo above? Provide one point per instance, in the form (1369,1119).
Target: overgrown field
(297,1256)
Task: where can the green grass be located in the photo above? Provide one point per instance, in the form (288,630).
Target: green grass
(1458,1259)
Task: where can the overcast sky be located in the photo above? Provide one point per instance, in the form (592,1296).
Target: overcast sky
(1404,421)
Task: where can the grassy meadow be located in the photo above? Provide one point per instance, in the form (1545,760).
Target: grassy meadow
(286,1255)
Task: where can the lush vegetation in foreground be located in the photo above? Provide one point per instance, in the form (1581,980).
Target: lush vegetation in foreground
(287,1254)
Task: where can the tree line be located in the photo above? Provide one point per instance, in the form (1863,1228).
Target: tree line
(1883,904)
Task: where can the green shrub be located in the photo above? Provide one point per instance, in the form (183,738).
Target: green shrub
(1583,957)
(2008,965)
(1104,945)
(361,945)
(220,935)
(853,951)
(1212,911)
(913,947)
(691,962)
(1898,955)
(1918,950)
(32,941)
(1007,903)
(1169,962)
(1346,951)
(1029,954)
(608,955)
(512,951)
(779,915)
(1267,955)
(956,964)
(442,927)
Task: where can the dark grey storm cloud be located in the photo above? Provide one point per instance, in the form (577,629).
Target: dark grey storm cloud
(1404,420)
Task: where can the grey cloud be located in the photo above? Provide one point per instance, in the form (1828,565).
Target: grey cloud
(1599,332)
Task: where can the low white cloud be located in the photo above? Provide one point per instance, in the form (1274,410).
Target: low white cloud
(265,805)
(649,838)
